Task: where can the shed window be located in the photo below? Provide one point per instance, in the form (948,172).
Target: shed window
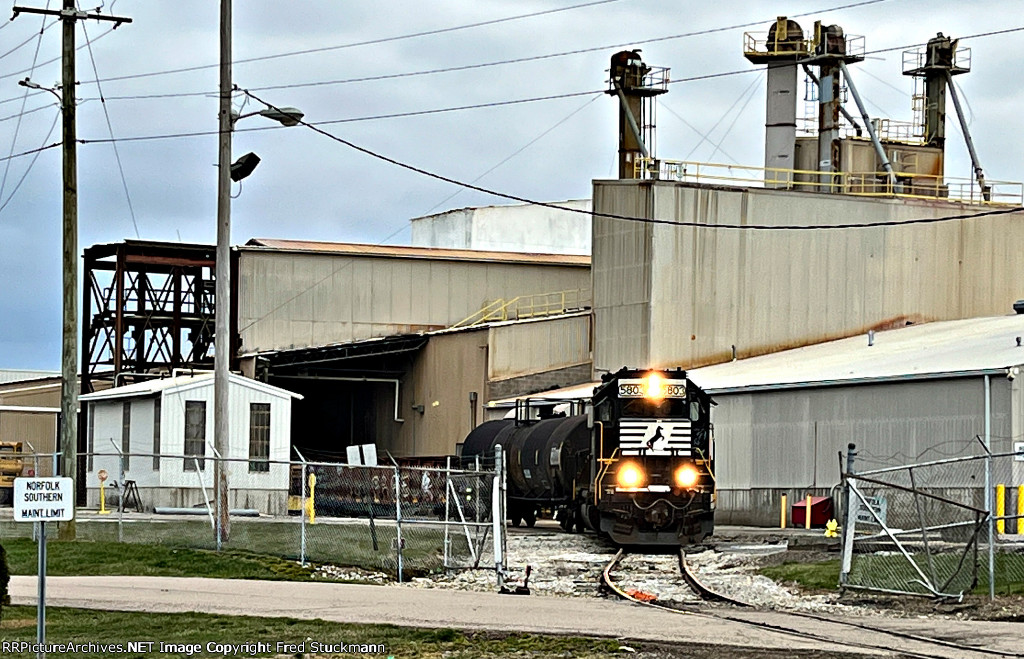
(259,436)
(126,433)
(156,434)
(90,436)
(195,434)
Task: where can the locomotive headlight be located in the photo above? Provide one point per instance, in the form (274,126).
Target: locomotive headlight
(686,476)
(654,387)
(630,475)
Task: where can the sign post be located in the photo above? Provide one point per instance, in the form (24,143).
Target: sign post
(43,500)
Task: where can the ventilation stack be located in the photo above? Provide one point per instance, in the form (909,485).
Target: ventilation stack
(781,51)
(636,84)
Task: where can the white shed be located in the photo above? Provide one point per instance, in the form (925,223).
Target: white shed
(164,428)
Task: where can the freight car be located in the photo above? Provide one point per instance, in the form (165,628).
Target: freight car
(637,468)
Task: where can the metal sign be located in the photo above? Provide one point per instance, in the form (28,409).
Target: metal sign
(878,504)
(1018,450)
(44,500)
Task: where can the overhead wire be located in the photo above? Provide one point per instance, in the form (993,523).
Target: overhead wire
(29,40)
(748,90)
(35,156)
(53,59)
(466,67)
(110,128)
(516,152)
(614,216)
(24,100)
(368,42)
(686,123)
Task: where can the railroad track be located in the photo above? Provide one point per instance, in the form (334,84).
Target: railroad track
(706,594)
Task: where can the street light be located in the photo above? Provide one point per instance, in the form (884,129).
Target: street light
(287,116)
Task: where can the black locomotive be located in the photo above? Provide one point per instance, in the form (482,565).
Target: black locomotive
(638,467)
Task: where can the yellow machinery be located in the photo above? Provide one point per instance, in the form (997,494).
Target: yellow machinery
(11,464)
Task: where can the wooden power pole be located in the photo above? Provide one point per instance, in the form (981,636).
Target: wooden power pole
(69,15)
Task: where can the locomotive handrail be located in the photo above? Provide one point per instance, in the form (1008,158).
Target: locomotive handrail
(608,462)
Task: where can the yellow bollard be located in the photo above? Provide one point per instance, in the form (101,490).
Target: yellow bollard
(1000,508)
(1020,510)
(782,516)
(807,512)
(310,508)
(102,475)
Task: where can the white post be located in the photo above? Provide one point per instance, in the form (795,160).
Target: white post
(447,485)
(497,519)
(398,520)
(988,490)
(302,515)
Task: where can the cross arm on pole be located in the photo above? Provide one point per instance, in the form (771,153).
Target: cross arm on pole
(71,14)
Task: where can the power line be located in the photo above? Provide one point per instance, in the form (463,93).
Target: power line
(29,40)
(52,60)
(516,152)
(396,115)
(110,129)
(467,67)
(525,200)
(24,100)
(30,152)
(35,156)
(369,42)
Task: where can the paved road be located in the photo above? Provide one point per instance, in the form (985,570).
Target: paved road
(410,606)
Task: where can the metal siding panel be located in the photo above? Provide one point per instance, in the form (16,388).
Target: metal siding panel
(792,287)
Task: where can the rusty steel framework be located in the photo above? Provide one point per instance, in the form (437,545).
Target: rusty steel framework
(147,308)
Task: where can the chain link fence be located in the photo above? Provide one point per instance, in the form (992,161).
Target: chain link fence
(942,528)
(403,521)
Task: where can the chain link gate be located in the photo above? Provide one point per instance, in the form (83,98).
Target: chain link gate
(937,528)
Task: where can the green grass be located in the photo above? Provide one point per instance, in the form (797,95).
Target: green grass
(83,626)
(345,545)
(823,575)
(85,558)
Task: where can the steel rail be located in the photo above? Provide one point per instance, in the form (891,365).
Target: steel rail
(608,583)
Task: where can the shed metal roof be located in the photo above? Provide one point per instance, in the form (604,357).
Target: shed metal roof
(179,383)
(403,252)
(952,348)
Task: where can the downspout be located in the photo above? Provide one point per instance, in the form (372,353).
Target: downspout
(631,120)
(867,124)
(986,191)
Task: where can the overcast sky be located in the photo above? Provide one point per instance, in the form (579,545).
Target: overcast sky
(308,186)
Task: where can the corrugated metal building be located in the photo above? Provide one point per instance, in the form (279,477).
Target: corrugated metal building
(296,294)
(687,295)
(917,393)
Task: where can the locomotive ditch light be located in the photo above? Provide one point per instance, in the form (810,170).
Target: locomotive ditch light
(630,475)
(654,387)
(686,476)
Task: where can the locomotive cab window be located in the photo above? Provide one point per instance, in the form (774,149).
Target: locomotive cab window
(647,407)
(694,411)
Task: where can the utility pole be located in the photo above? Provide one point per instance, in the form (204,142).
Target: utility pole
(221,335)
(69,15)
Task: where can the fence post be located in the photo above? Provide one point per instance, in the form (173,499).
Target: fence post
(447,484)
(398,520)
(988,490)
(302,514)
(497,519)
(120,491)
(849,506)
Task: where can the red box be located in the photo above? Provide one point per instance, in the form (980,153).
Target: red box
(821,511)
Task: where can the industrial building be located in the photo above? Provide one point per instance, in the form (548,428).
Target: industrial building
(696,264)
(902,395)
